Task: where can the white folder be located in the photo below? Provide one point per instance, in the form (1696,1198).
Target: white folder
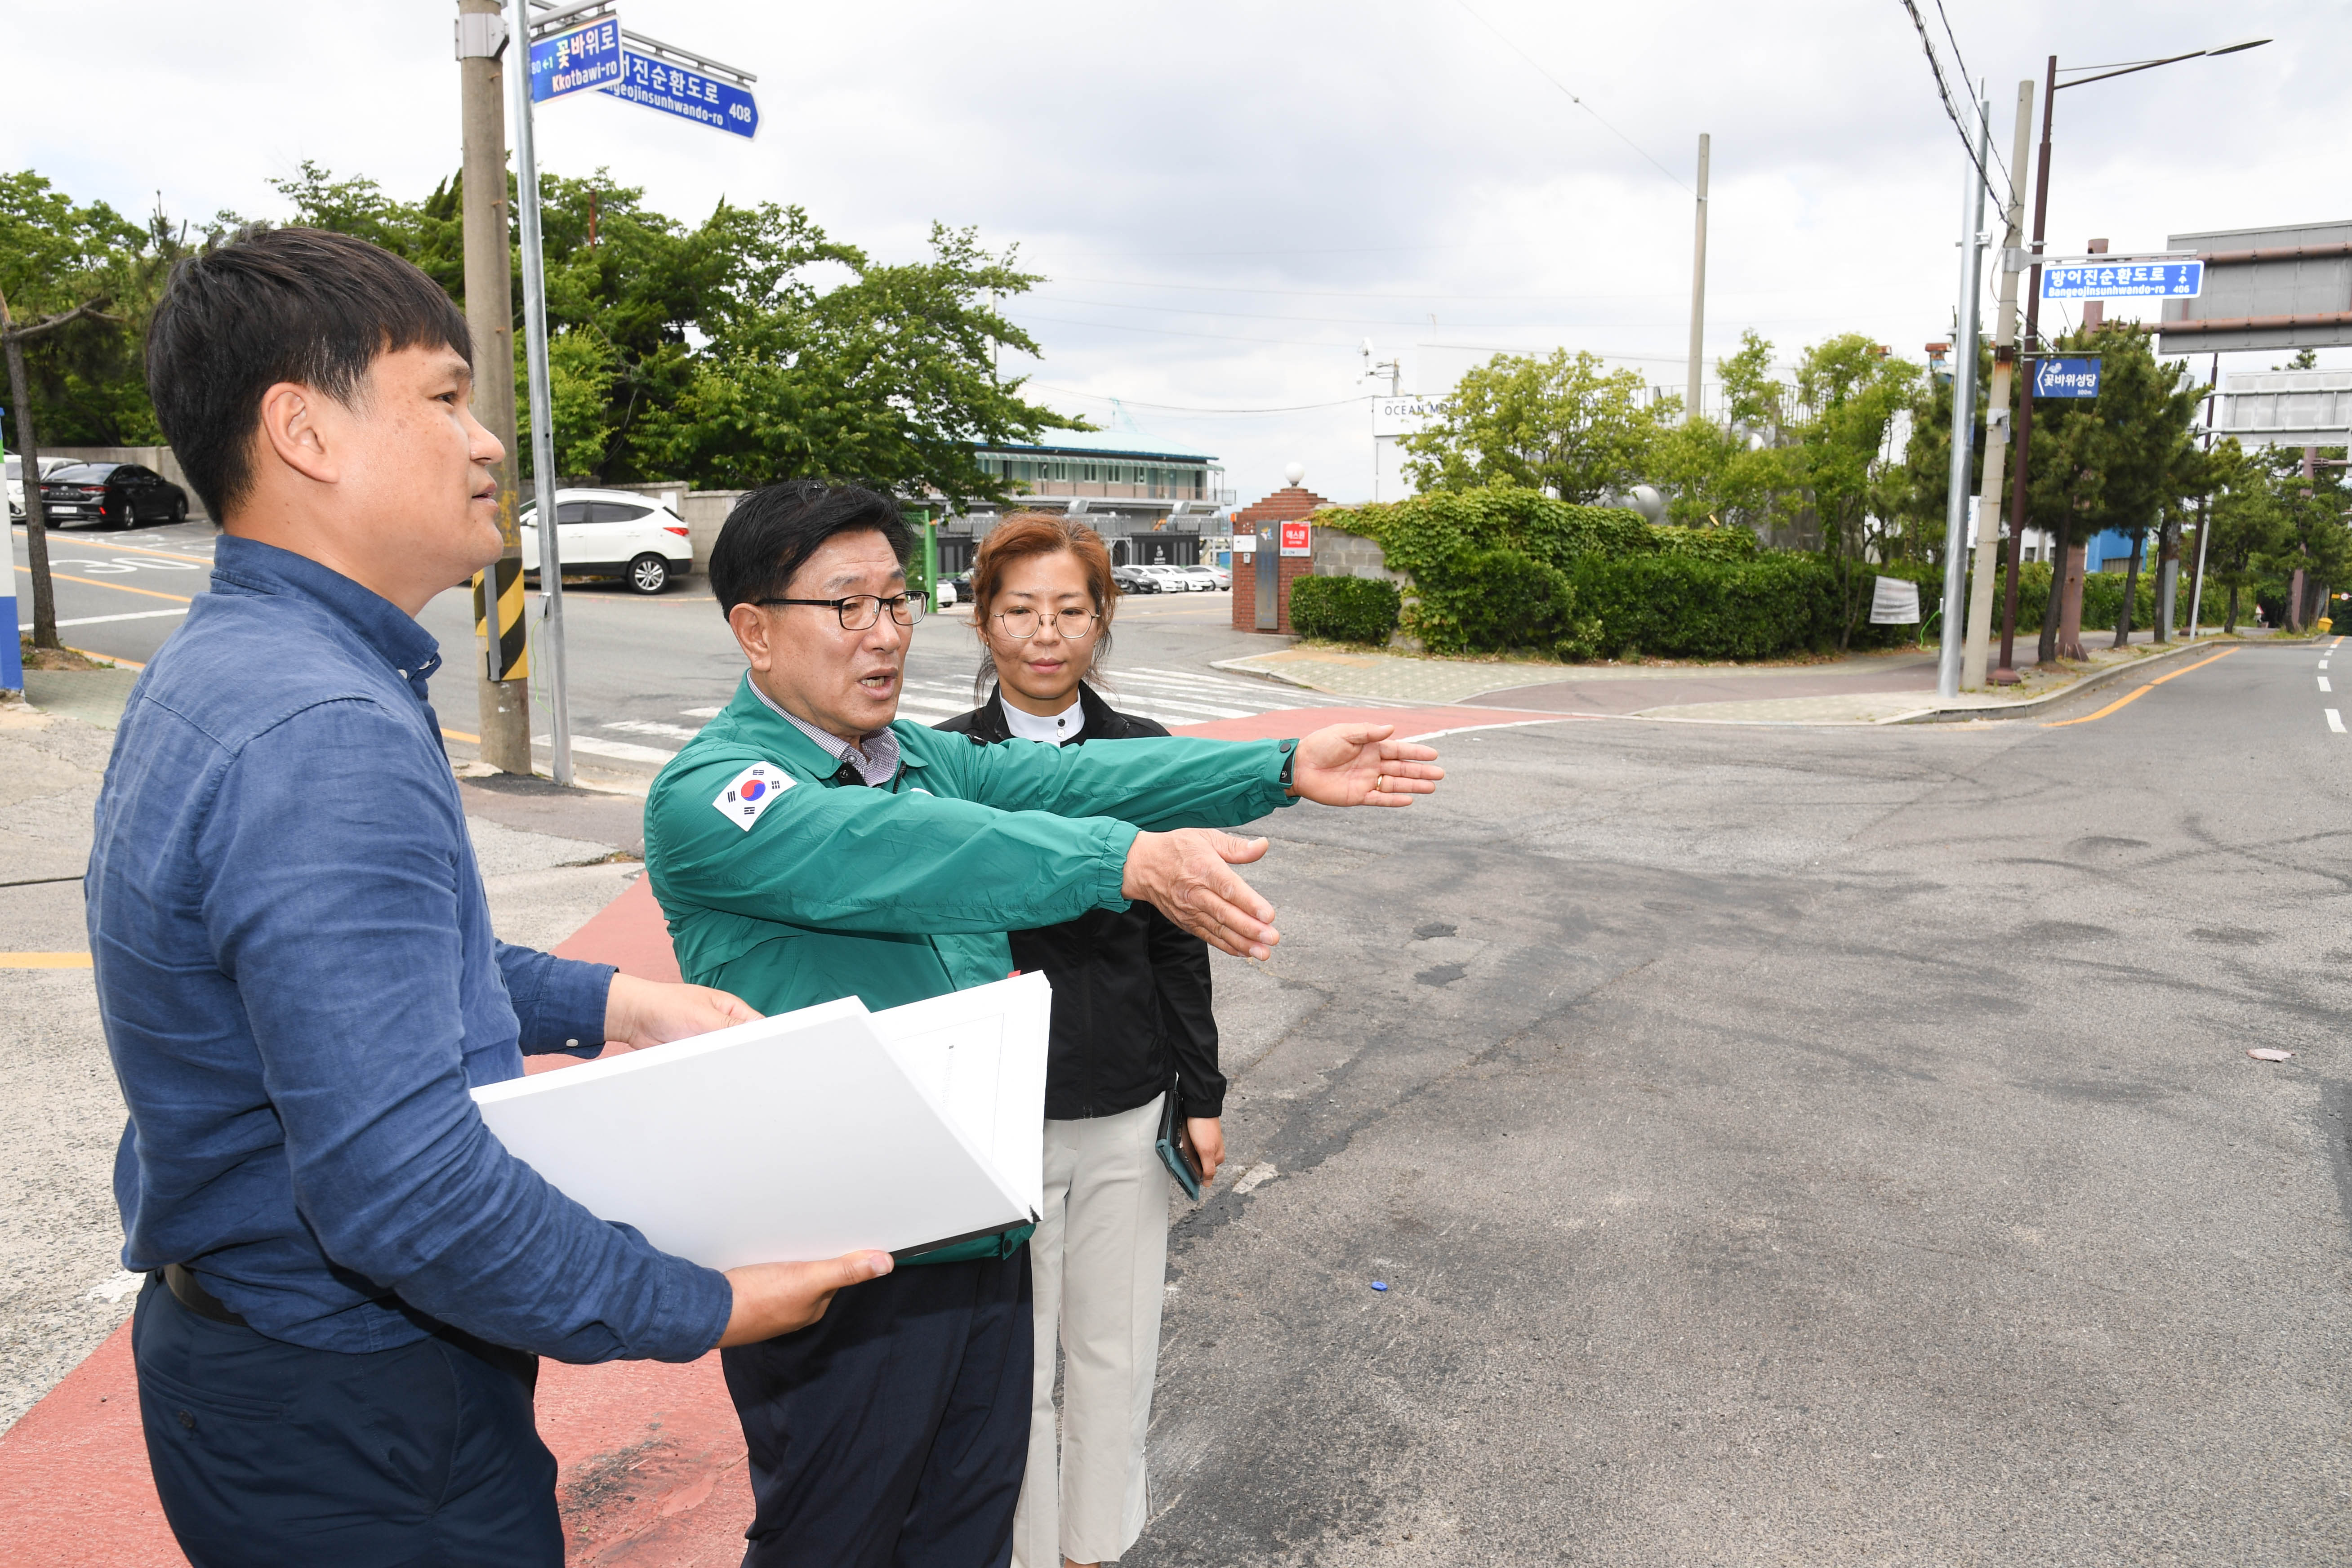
(805,1135)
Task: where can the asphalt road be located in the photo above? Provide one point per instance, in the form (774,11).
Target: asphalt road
(1806,1146)
(1780,1145)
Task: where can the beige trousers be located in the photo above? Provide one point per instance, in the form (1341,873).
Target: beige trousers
(1098,1265)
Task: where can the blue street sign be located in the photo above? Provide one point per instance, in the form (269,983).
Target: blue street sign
(688,94)
(2124,280)
(575,61)
(2067,378)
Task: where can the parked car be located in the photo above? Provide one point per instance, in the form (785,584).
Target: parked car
(17,481)
(112,495)
(1207,579)
(962,584)
(1172,579)
(1135,580)
(612,534)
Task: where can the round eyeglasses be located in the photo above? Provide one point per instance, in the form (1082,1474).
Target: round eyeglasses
(860,611)
(1073,624)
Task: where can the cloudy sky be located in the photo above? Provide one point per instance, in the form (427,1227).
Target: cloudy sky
(1228,199)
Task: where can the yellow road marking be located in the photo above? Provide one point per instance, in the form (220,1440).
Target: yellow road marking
(94,582)
(44,961)
(2136,696)
(2185,668)
(461,735)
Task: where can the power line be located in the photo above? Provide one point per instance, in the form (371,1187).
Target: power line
(1946,20)
(1944,92)
(1571,97)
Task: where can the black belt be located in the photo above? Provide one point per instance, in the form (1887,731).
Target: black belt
(190,1293)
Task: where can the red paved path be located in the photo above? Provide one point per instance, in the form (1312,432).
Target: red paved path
(652,1459)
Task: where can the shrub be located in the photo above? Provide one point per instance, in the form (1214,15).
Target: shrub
(1345,609)
(1681,606)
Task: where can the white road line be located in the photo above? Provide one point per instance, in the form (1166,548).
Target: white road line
(648,726)
(2336,720)
(102,620)
(700,712)
(620,750)
(2324,685)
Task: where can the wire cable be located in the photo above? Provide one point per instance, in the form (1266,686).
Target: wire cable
(1944,91)
(1943,17)
(1571,97)
(1182,408)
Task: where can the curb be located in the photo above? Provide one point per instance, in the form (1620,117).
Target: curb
(2034,707)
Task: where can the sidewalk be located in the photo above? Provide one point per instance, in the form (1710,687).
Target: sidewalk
(1860,688)
(652,1460)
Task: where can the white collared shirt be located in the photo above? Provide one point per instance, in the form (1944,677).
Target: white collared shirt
(1053,730)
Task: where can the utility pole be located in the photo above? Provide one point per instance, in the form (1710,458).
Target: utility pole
(501,630)
(2007,674)
(1698,288)
(1964,412)
(542,414)
(1997,415)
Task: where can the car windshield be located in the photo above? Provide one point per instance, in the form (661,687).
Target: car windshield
(81,473)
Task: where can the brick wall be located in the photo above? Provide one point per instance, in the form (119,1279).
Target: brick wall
(1259,518)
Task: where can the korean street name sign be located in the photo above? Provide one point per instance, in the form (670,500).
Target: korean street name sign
(2125,280)
(688,94)
(580,59)
(2067,378)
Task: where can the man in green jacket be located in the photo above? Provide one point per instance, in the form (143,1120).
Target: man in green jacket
(805,848)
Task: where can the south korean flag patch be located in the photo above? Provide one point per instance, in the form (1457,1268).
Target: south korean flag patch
(751,792)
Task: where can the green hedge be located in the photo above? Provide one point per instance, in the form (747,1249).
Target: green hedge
(1679,606)
(1345,609)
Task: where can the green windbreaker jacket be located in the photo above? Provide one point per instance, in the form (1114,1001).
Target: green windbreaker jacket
(789,889)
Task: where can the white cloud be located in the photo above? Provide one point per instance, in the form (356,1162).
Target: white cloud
(1310,175)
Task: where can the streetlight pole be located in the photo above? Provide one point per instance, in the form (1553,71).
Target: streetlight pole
(2007,674)
(1698,287)
(1964,398)
(542,414)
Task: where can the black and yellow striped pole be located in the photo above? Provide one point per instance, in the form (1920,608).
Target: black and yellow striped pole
(498,626)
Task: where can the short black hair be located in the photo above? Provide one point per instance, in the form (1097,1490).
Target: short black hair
(774,529)
(278,304)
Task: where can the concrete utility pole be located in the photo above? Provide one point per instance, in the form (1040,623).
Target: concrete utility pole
(1997,415)
(1698,288)
(1964,411)
(501,624)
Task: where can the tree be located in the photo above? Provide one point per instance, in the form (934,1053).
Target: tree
(1565,423)
(1738,472)
(1916,500)
(1852,390)
(2115,461)
(2248,524)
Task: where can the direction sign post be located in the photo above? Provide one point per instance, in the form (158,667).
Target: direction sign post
(2123,278)
(587,50)
(579,60)
(2075,377)
(688,94)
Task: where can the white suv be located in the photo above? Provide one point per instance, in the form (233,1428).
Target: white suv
(612,534)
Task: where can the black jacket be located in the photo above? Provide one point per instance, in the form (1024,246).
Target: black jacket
(1130,989)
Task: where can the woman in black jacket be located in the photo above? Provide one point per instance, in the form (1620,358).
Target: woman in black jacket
(1131,1024)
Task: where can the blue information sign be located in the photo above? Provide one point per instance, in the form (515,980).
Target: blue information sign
(688,94)
(585,58)
(2067,378)
(2124,280)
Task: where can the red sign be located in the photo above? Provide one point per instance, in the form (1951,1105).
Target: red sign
(1295,539)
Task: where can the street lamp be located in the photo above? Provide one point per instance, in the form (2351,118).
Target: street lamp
(2006,674)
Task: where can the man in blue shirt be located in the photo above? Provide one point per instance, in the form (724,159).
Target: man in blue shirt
(351,1277)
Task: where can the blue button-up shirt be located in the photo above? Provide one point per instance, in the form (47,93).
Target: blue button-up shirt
(299,985)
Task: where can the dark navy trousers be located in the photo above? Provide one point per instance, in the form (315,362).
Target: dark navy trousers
(893,1432)
(268,1454)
